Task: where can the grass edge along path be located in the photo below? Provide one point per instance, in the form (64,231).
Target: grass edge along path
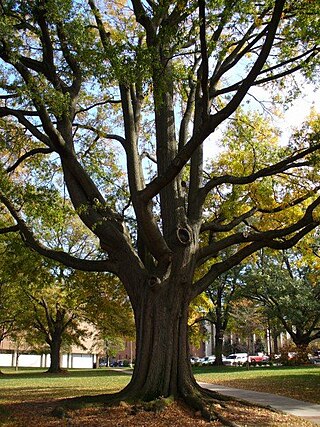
(301,382)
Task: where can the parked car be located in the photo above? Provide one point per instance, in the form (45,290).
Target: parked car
(315,357)
(116,363)
(258,358)
(208,360)
(195,360)
(315,360)
(235,359)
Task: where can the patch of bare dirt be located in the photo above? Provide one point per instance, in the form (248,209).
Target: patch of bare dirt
(176,415)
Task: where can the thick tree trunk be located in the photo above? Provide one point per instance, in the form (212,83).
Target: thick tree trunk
(55,356)
(162,365)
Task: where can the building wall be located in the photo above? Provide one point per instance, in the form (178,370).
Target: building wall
(23,356)
(129,352)
(29,360)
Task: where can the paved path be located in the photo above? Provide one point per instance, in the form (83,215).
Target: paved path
(308,411)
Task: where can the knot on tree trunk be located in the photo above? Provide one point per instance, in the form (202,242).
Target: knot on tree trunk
(184,235)
(153,281)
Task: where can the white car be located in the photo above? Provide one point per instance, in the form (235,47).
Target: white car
(208,360)
(236,359)
(195,360)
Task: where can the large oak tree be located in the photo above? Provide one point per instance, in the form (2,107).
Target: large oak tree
(158,78)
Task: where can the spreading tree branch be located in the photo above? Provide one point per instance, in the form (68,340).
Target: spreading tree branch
(257,66)
(205,59)
(305,58)
(20,115)
(217,226)
(276,168)
(57,255)
(11,229)
(27,155)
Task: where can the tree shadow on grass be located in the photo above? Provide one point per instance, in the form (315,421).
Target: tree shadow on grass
(32,394)
(74,373)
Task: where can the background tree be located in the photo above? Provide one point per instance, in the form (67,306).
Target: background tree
(54,307)
(108,309)
(159,79)
(275,329)
(48,305)
(287,284)
(253,135)
(222,293)
(11,309)
(198,308)
(109,346)
(55,321)
(248,320)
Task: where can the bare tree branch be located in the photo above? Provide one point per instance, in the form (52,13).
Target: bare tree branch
(102,134)
(218,268)
(20,115)
(305,58)
(283,238)
(27,155)
(217,226)
(97,104)
(60,256)
(242,48)
(11,229)
(256,68)
(204,59)
(276,168)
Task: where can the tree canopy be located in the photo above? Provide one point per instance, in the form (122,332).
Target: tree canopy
(53,307)
(88,85)
(287,285)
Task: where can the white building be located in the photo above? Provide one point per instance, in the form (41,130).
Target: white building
(24,356)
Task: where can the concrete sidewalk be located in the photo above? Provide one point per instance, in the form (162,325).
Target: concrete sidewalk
(308,411)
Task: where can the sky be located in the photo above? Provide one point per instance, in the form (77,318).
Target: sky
(301,107)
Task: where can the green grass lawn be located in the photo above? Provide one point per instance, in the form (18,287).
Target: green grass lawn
(35,385)
(297,382)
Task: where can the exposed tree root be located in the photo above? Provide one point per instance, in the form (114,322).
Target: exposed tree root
(204,400)
(157,405)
